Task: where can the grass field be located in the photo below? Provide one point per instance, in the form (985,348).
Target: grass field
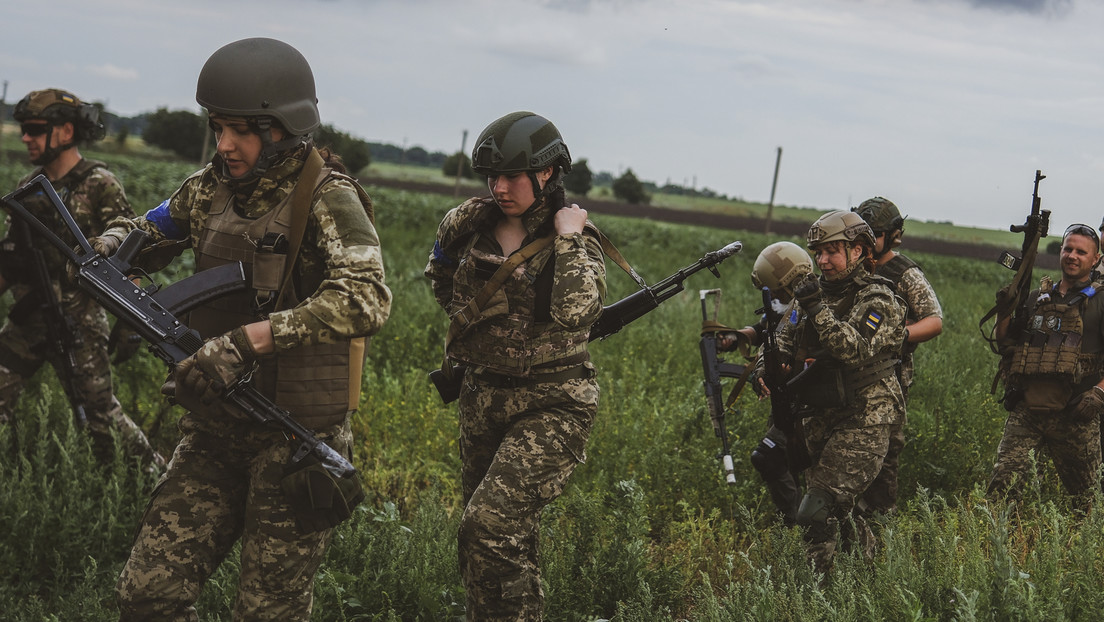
(646,531)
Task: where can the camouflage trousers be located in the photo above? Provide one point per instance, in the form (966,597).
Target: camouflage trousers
(847,456)
(881,496)
(518,447)
(221,487)
(24,349)
(1073,444)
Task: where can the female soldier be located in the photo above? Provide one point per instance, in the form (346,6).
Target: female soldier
(529,395)
(300,331)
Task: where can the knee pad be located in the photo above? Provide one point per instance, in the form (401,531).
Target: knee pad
(816,506)
(769,459)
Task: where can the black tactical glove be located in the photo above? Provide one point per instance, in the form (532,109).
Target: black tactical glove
(320,499)
(808,294)
(123,343)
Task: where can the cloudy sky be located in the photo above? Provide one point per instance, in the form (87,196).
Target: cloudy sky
(947,107)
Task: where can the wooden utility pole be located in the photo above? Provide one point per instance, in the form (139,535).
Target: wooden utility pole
(460,164)
(3,109)
(774,185)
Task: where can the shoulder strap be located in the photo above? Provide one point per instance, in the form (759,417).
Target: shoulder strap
(474,309)
(300,210)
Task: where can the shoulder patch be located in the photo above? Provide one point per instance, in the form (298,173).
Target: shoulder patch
(873,320)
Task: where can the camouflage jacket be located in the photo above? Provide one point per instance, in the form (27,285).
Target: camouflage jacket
(920,300)
(541,316)
(93,196)
(861,319)
(340,243)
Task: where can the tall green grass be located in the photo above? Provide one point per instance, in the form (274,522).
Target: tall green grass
(646,529)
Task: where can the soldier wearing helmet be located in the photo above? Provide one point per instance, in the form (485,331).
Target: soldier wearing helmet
(303,229)
(53,122)
(842,355)
(529,395)
(778,268)
(923,321)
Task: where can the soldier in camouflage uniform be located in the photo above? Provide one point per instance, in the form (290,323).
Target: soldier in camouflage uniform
(305,343)
(778,267)
(53,123)
(529,394)
(923,321)
(845,346)
(1054,378)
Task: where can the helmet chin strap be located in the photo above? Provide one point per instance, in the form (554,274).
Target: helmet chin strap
(49,154)
(270,150)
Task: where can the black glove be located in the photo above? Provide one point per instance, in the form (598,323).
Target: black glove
(319,499)
(123,343)
(808,294)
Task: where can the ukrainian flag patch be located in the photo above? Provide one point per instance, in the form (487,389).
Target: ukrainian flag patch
(873,320)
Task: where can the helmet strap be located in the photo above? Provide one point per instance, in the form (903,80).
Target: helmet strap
(49,154)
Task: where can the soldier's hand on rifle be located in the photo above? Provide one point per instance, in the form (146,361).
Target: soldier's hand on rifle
(570,220)
(217,365)
(808,294)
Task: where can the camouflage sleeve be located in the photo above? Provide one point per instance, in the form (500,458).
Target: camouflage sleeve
(174,218)
(98,199)
(918,293)
(457,225)
(579,281)
(874,323)
(352,299)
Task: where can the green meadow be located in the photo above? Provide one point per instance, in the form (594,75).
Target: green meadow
(647,530)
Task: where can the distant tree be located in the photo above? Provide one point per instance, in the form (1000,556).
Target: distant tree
(603,178)
(121,136)
(418,156)
(354,152)
(179,131)
(449,167)
(629,189)
(580,180)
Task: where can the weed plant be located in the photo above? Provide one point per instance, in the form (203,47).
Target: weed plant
(646,530)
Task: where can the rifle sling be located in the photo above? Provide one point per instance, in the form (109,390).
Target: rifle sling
(300,206)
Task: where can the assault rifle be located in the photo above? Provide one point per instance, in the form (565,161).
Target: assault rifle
(1014,296)
(783,409)
(714,368)
(151,312)
(615,316)
(42,300)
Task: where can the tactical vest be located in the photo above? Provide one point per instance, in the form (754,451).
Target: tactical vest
(516,335)
(830,383)
(1050,345)
(318,384)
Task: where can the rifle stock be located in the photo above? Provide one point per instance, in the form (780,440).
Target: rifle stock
(107,280)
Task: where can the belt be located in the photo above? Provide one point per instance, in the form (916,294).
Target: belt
(502,381)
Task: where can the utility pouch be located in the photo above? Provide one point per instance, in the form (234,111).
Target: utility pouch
(319,499)
(269,261)
(1047,394)
(449,388)
(820,385)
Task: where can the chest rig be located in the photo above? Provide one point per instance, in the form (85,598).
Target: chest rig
(318,384)
(516,334)
(1050,345)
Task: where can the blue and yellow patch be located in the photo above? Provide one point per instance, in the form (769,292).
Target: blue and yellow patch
(873,320)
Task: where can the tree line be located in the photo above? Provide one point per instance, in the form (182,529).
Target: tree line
(183,132)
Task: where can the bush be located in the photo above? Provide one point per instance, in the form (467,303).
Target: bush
(448,169)
(179,131)
(629,189)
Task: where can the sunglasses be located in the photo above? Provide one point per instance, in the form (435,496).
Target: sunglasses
(1084,230)
(34,129)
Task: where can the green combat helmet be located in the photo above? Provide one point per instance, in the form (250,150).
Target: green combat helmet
(522,142)
(261,80)
(883,217)
(779,266)
(58,107)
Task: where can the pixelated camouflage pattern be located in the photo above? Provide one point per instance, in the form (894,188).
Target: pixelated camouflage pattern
(922,302)
(518,447)
(224,483)
(340,244)
(1072,440)
(220,486)
(514,336)
(93,195)
(847,445)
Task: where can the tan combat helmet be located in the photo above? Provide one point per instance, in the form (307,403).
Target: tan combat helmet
(779,266)
(840,225)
